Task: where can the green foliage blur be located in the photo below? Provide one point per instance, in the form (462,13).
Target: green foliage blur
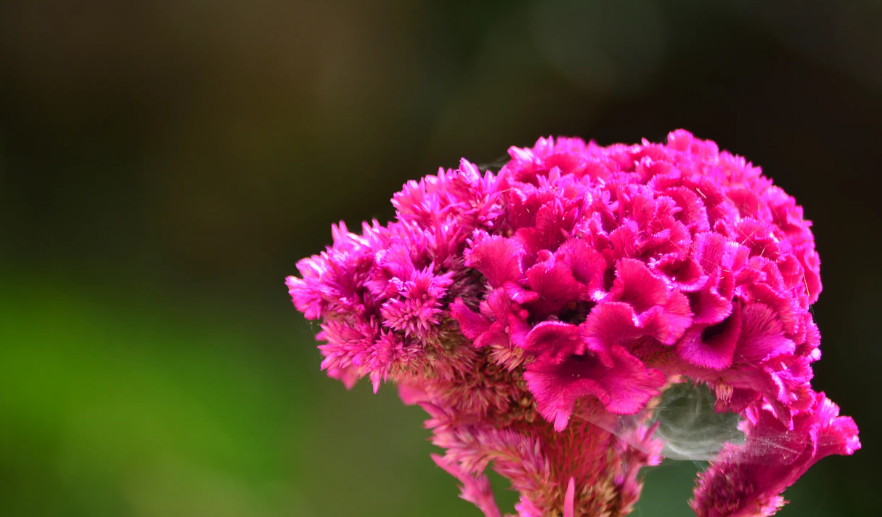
(164,165)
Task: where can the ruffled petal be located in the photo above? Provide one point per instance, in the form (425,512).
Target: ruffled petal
(498,259)
(762,335)
(623,388)
(746,481)
(712,346)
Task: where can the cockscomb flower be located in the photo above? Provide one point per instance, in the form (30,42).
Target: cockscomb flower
(541,315)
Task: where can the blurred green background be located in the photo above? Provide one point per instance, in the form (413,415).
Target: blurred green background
(164,164)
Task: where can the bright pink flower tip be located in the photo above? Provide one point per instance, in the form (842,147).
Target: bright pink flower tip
(528,310)
(569,498)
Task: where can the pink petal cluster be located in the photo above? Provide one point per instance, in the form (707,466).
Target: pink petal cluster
(527,310)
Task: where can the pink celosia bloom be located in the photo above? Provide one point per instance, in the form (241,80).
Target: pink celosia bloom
(539,314)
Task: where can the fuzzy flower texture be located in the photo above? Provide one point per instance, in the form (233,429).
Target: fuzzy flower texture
(538,314)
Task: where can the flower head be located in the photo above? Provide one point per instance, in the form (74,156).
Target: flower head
(528,310)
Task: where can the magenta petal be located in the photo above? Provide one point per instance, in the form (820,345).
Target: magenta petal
(710,249)
(497,258)
(554,283)
(552,227)
(811,263)
(495,335)
(306,295)
(610,323)
(624,241)
(711,346)
(471,324)
(834,434)
(780,302)
(587,265)
(497,305)
(518,294)
(518,330)
(635,284)
(709,306)
(555,339)
(622,388)
(746,201)
(757,236)
(667,323)
(478,328)
(692,210)
(791,271)
(683,272)
(762,335)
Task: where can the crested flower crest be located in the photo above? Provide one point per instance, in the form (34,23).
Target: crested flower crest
(532,311)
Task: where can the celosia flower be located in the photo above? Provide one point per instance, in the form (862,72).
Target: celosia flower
(539,314)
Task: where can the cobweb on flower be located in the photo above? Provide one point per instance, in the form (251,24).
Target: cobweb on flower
(690,429)
(495,165)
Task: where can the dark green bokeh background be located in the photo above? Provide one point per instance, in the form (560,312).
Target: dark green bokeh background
(164,164)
